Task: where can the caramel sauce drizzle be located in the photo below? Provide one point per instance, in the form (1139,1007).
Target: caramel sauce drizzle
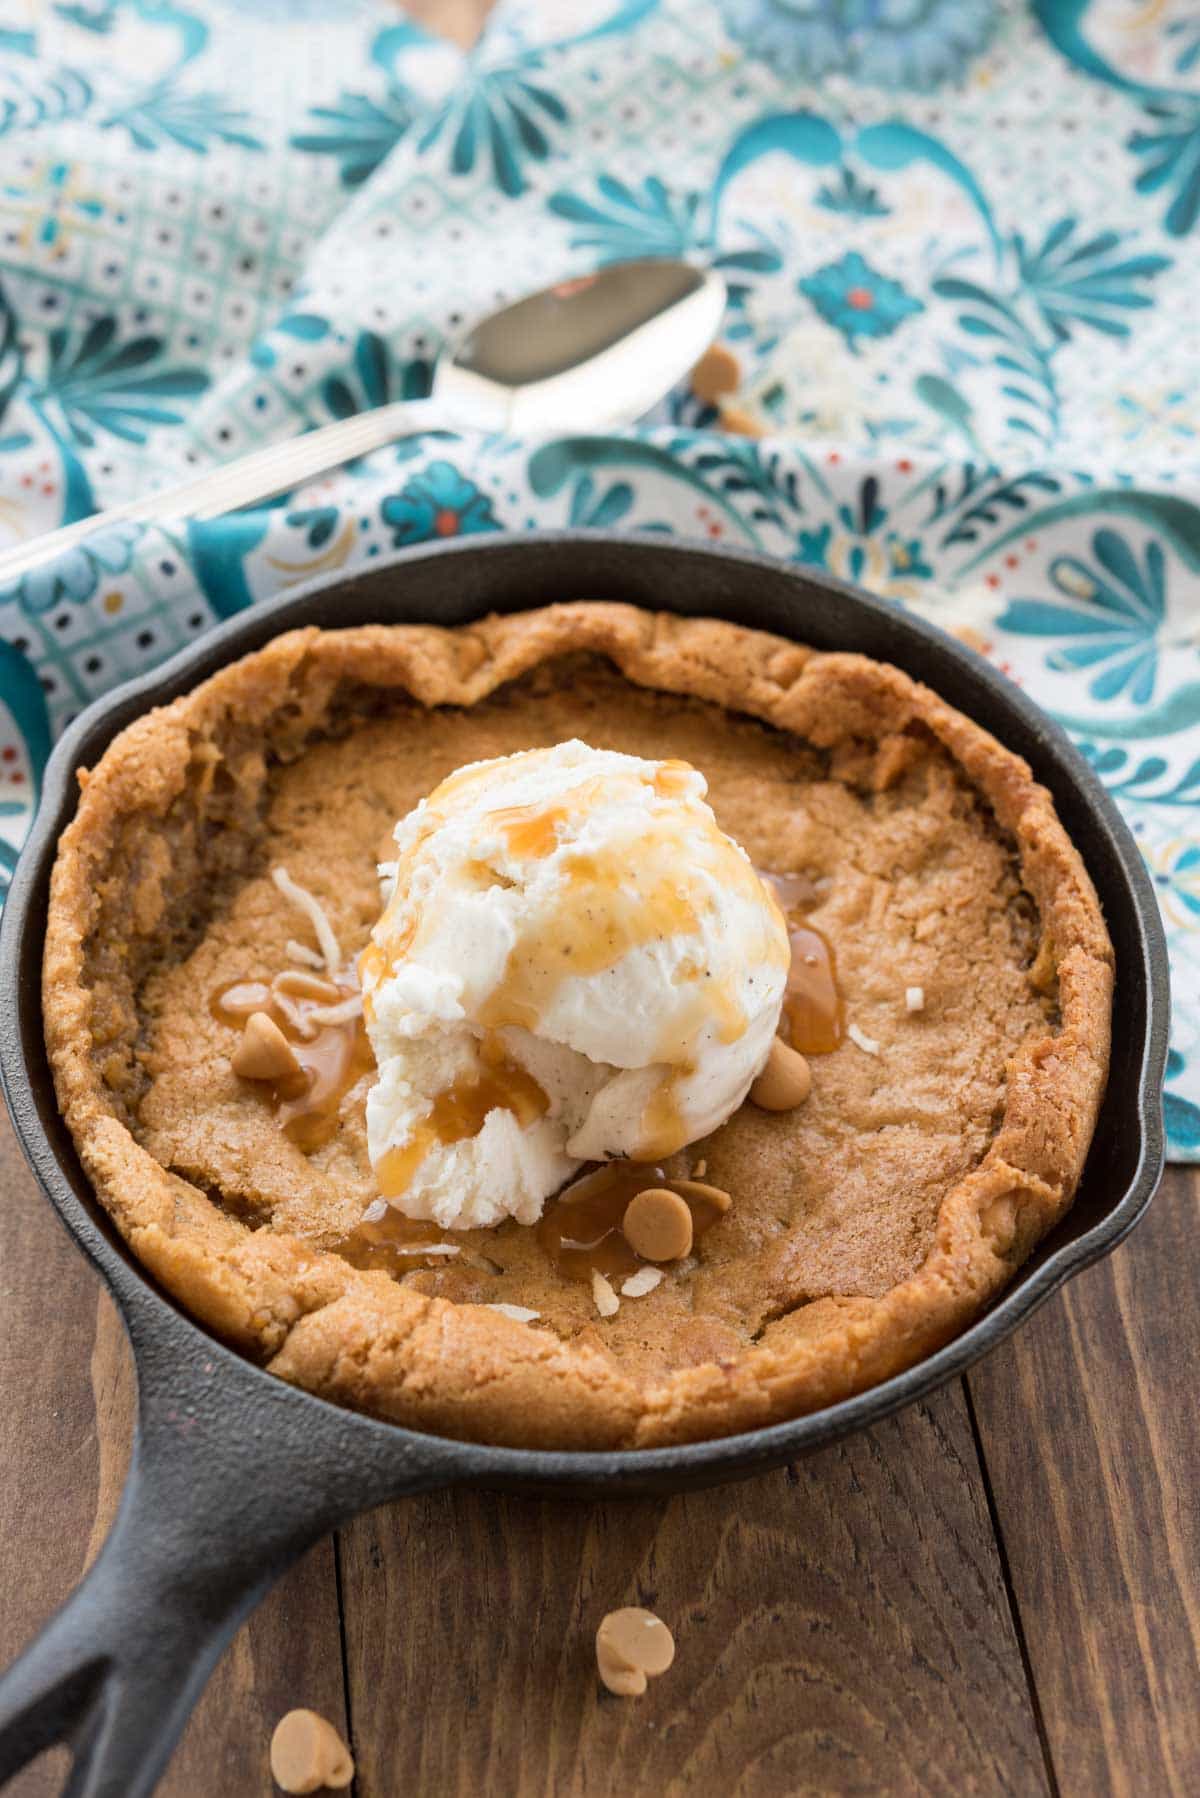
(813,1019)
(393,1244)
(530,830)
(671,778)
(613,902)
(663,1130)
(580,1230)
(459,1112)
(332,1057)
(610,906)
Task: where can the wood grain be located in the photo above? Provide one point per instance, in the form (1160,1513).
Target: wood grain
(66,1413)
(841,1627)
(1090,1423)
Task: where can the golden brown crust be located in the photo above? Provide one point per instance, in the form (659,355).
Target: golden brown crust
(168,807)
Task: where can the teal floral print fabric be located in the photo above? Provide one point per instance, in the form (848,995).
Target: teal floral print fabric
(917,44)
(857,300)
(959,241)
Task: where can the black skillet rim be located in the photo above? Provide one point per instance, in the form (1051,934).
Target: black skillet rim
(151,1314)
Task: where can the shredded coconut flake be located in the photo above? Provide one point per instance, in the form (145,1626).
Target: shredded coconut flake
(375,1211)
(299,983)
(914,998)
(311,907)
(866,1043)
(607,1302)
(639,1284)
(520,1314)
(308,958)
(304,1027)
(337,1014)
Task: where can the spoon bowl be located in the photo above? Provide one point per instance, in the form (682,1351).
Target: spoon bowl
(588,354)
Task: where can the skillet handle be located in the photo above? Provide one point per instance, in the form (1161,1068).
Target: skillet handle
(233,1476)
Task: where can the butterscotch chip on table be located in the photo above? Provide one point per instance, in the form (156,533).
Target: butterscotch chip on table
(870,1223)
(308,1754)
(632,1645)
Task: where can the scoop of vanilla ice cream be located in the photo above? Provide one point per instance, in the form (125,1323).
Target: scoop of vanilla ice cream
(573,963)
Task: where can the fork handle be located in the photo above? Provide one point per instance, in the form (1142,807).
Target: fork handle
(246,481)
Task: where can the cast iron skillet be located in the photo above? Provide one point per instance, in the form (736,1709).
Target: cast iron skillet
(234,1473)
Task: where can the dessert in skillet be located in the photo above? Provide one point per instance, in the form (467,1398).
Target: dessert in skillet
(581,1029)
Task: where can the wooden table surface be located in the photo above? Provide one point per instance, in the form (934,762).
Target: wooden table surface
(996,1592)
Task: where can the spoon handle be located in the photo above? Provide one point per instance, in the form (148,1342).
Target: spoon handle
(246,481)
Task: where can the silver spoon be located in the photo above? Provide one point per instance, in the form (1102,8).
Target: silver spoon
(584,355)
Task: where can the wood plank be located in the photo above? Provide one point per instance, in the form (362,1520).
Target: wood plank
(66,1414)
(1091,1434)
(841,1627)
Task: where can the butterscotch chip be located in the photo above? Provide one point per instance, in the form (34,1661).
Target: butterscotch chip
(658,1225)
(631,1645)
(264,1052)
(740,423)
(717,372)
(785,1081)
(625,1682)
(308,1753)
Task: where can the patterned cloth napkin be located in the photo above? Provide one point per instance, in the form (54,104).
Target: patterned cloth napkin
(957,235)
